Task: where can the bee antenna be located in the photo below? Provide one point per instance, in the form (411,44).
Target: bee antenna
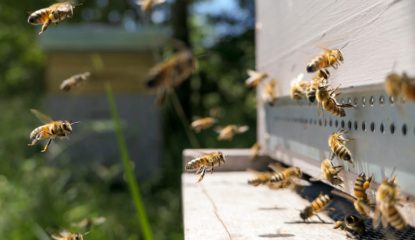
(72,123)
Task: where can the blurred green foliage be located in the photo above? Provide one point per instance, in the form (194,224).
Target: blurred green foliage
(39,196)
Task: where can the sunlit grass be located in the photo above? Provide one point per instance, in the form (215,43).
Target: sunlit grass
(131,179)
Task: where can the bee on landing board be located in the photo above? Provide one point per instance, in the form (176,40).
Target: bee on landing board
(400,86)
(387,198)
(298,87)
(203,123)
(229,131)
(337,142)
(50,130)
(321,78)
(55,13)
(65,235)
(330,173)
(317,205)
(255,78)
(205,163)
(147,5)
(74,81)
(353,225)
(329,58)
(269,93)
(326,98)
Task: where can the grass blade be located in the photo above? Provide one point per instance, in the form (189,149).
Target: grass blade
(131,179)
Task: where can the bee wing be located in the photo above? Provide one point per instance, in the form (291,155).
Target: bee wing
(41,116)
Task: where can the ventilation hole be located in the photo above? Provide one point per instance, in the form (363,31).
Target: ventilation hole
(355,101)
(349,100)
(342,124)
(382,128)
(404,129)
(391,99)
(363,101)
(330,122)
(336,123)
(392,128)
(349,125)
(355,126)
(381,100)
(371,100)
(319,122)
(364,126)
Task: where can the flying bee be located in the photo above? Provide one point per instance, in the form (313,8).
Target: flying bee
(298,87)
(331,173)
(171,72)
(55,13)
(319,79)
(387,198)
(205,163)
(50,130)
(74,81)
(400,86)
(353,225)
(227,132)
(337,142)
(269,94)
(329,58)
(317,205)
(254,78)
(326,97)
(203,123)
(147,5)
(65,235)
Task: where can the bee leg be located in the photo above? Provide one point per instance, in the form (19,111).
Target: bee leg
(320,219)
(202,175)
(47,145)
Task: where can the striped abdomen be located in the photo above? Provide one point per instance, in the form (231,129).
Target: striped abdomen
(393,217)
(331,106)
(320,202)
(341,152)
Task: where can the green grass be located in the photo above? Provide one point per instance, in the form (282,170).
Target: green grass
(131,179)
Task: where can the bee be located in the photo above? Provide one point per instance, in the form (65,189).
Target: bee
(147,5)
(65,235)
(337,142)
(205,163)
(55,13)
(87,223)
(227,132)
(255,78)
(74,81)
(202,123)
(171,72)
(387,198)
(329,58)
(269,94)
(298,87)
(255,149)
(400,86)
(318,80)
(50,130)
(317,205)
(353,225)
(326,98)
(331,173)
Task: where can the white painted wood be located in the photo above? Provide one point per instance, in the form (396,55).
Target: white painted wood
(223,206)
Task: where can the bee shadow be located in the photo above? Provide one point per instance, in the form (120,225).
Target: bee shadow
(276,235)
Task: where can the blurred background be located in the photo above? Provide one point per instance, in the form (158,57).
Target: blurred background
(83,177)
